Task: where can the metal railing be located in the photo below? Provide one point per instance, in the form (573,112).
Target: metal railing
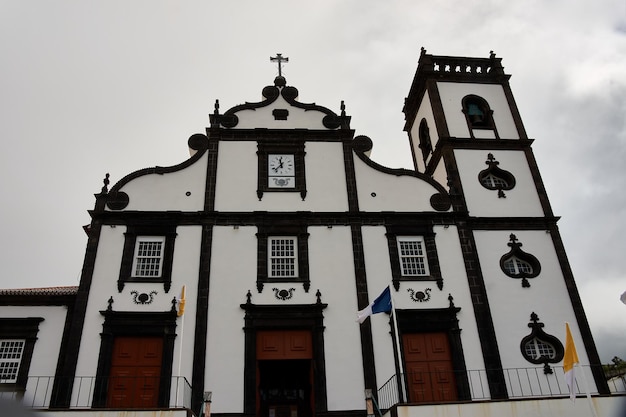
(95,392)
(520,383)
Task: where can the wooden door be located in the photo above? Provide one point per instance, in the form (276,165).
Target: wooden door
(428,367)
(135,372)
(285,373)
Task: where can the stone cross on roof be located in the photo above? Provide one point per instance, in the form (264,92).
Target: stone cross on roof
(280,59)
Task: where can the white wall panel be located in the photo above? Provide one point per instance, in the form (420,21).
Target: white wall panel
(162,192)
(378,191)
(511,305)
(521,201)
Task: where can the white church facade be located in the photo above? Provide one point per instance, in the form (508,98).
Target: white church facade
(239,271)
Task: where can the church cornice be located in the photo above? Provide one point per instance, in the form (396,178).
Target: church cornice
(271,93)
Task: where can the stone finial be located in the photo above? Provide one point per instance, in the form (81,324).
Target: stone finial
(105,187)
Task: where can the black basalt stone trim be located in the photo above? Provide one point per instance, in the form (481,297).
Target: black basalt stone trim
(280,114)
(211,176)
(351,188)
(482,313)
(118,200)
(202,319)
(330,121)
(66,368)
(229,119)
(367,344)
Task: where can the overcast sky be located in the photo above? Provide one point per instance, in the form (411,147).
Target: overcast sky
(90,87)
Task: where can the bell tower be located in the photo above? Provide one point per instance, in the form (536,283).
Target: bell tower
(466,132)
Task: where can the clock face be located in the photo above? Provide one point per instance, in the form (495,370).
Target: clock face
(281,171)
(281,165)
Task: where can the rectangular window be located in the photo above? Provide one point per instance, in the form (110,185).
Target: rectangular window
(148,257)
(10,357)
(283,261)
(412,253)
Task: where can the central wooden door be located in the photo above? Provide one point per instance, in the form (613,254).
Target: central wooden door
(428,367)
(135,372)
(284,373)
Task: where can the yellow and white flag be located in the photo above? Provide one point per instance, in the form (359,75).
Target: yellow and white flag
(569,360)
(181,303)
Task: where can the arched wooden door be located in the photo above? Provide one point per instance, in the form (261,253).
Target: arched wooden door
(284,373)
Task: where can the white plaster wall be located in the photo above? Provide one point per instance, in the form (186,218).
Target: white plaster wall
(425,111)
(331,270)
(263,118)
(520,201)
(185,269)
(392,192)
(511,305)
(451,99)
(237,174)
(161,192)
(231,278)
(378,270)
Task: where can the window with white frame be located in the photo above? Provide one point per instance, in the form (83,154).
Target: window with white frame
(148,260)
(517,266)
(412,255)
(282,257)
(537,349)
(11,351)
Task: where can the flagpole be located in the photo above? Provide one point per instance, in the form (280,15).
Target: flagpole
(181,312)
(588,394)
(397,342)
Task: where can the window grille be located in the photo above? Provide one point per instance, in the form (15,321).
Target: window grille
(148,257)
(282,257)
(491,181)
(412,256)
(536,349)
(516,266)
(10,358)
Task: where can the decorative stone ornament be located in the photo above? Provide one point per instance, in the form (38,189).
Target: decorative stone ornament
(539,347)
(519,264)
(419,296)
(495,178)
(283,294)
(143,298)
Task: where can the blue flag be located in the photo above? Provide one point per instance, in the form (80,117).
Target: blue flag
(381,304)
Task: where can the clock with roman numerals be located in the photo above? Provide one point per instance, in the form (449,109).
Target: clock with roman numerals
(281,171)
